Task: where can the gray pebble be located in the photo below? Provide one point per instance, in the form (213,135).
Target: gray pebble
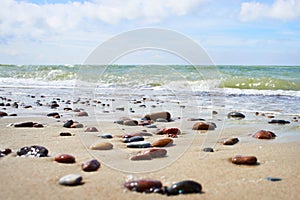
(70,180)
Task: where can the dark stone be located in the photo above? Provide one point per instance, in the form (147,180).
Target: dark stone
(68,124)
(37,125)
(278,121)
(184,187)
(24,124)
(195,119)
(231,141)
(27,106)
(130,123)
(236,115)
(105,136)
(67,109)
(5,152)
(262,134)
(12,115)
(54,105)
(208,149)
(140,144)
(3,114)
(33,151)
(91,165)
(143,185)
(82,114)
(273,179)
(133,139)
(52,114)
(65,158)
(171,132)
(65,134)
(244,160)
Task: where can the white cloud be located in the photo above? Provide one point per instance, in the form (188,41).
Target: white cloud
(285,10)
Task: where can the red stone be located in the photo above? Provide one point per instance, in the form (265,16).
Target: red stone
(263,134)
(244,160)
(65,158)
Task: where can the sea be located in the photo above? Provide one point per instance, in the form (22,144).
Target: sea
(233,87)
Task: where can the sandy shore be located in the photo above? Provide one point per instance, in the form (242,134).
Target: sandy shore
(37,178)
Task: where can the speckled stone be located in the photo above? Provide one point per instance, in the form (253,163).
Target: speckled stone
(105,136)
(155,116)
(70,180)
(102,146)
(33,151)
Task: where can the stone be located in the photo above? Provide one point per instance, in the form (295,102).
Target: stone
(195,119)
(90,165)
(151,126)
(54,105)
(278,121)
(3,114)
(102,146)
(273,179)
(91,129)
(155,116)
(33,151)
(70,180)
(53,114)
(155,152)
(231,141)
(171,132)
(24,124)
(37,125)
(65,134)
(139,144)
(184,187)
(146,186)
(236,115)
(141,157)
(4,152)
(162,142)
(76,125)
(82,114)
(130,123)
(208,149)
(67,109)
(161,120)
(204,126)
(244,160)
(105,136)
(68,124)
(263,134)
(65,158)
(133,139)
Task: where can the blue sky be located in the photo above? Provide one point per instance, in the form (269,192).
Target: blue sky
(261,32)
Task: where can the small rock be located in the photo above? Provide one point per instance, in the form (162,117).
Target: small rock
(141,157)
(143,185)
(120,108)
(162,142)
(65,134)
(155,116)
(65,158)
(26,107)
(140,144)
(37,125)
(3,114)
(24,124)
(68,124)
(91,165)
(236,115)
(70,180)
(208,149)
(262,134)
(155,152)
(161,120)
(133,139)
(184,187)
(195,119)
(67,109)
(230,141)
(82,114)
(105,136)
(101,146)
(52,114)
(130,123)
(278,121)
(204,126)
(244,160)
(273,179)
(91,129)
(76,125)
(171,132)
(4,152)
(33,151)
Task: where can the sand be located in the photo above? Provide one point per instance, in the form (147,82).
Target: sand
(37,178)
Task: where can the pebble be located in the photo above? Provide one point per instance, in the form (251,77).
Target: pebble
(263,134)
(37,125)
(161,120)
(4,152)
(53,114)
(68,124)
(133,139)
(102,146)
(82,114)
(65,158)
(91,129)
(244,160)
(146,186)
(184,187)
(208,149)
(155,152)
(3,114)
(278,121)
(141,157)
(33,151)
(65,134)
(162,142)
(24,124)
(231,141)
(171,132)
(195,119)
(136,134)
(70,180)
(130,123)
(76,125)
(105,135)
(139,144)
(236,115)
(90,165)
(155,116)
(204,126)
(273,179)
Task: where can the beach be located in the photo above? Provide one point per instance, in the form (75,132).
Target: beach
(114,97)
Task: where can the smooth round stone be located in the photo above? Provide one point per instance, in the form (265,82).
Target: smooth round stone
(162,142)
(208,149)
(24,124)
(70,180)
(155,152)
(37,125)
(161,120)
(52,114)
(140,144)
(76,125)
(65,158)
(130,123)
(68,124)
(90,165)
(65,134)
(143,185)
(278,121)
(204,126)
(102,146)
(82,114)
(33,151)
(263,134)
(141,157)
(171,132)
(3,114)
(133,139)
(273,179)
(184,187)
(244,160)
(105,135)
(231,141)
(91,129)
(236,115)
(4,152)
(155,116)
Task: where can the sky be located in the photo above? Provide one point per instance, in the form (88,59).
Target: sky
(232,32)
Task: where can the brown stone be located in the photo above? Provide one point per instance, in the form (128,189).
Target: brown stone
(143,185)
(231,141)
(90,165)
(263,134)
(65,158)
(101,146)
(155,116)
(76,125)
(204,126)
(155,152)
(130,122)
(82,114)
(141,157)
(3,114)
(162,142)
(244,160)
